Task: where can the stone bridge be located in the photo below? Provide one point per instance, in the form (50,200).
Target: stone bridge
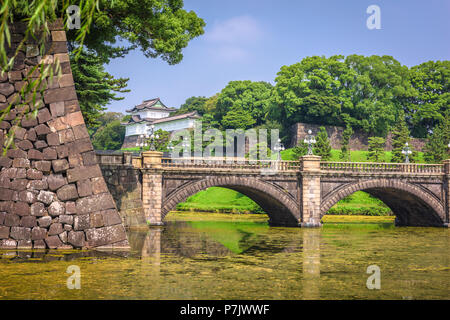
(293,193)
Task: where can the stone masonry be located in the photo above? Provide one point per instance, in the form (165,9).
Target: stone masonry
(52,192)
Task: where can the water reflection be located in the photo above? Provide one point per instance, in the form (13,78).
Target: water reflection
(311,264)
(241,260)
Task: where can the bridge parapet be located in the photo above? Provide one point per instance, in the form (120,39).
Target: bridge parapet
(382,168)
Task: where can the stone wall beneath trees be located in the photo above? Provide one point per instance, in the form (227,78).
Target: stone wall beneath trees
(52,192)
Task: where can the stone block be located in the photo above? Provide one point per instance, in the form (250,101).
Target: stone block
(21,208)
(21,163)
(76,238)
(67,192)
(28,196)
(111,217)
(38,184)
(45,222)
(96,220)
(46,197)
(56,208)
(6,194)
(95,203)
(28,222)
(84,188)
(20,233)
(53,139)
(106,235)
(56,181)
(81,222)
(42,130)
(44,115)
(59,94)
(44,166)
(66,219)
(38,233)
(19,184)
(57,109)
(55,229)
(62,151)
(34,174)
(38,209)
(50,154)
(71,207)
(60,165)
(4,232)
(24,145)
(83,173)
(8,244)
(53,242)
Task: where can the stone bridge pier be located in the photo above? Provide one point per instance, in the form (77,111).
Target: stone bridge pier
(292,193)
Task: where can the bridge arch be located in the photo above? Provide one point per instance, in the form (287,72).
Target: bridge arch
(281,207)
(412,205)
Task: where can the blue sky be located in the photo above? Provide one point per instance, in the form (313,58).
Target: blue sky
(252,39)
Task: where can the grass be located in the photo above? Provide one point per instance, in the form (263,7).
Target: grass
(355,156)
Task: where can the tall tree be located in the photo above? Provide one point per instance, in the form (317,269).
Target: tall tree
(431,80)
(322,147)
(345,150)
(400,136)
(376,149)
(437,148)
(250,98)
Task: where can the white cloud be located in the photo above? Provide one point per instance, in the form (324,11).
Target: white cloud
(242,29)
(231,39)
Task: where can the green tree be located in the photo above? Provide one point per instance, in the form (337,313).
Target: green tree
(431,80)
(193,104)
(249,98)
(109,137)
(400,136)
(376,149)
(237,118)
(322,147)
(95,87)
(436,149)
(300,150)
(345,150)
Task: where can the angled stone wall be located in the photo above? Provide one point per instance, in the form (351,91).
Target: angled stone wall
(52,192)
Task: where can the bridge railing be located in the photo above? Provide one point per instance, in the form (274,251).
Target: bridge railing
(373,167)
(230,163)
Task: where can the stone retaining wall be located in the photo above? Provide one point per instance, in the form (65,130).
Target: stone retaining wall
(52,192)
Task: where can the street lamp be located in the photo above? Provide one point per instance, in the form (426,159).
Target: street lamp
(141,141)
(310,140)
(406,151)
(278,148)
(153,136)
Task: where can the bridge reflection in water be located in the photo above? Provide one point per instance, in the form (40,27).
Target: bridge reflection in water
(158,242)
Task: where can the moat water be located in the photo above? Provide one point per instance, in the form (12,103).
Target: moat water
(210,256)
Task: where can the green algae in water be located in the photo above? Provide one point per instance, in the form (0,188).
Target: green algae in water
(210,257)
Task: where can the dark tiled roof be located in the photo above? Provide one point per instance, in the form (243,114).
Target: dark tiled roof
(192,114)
(149,105)
(138,119)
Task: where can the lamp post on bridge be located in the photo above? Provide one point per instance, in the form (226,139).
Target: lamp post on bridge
(310,140)
(406,151)
(153,136)
(278,148)
(142,141)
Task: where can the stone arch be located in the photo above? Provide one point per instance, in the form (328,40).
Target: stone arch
(281,207)
(412,205)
